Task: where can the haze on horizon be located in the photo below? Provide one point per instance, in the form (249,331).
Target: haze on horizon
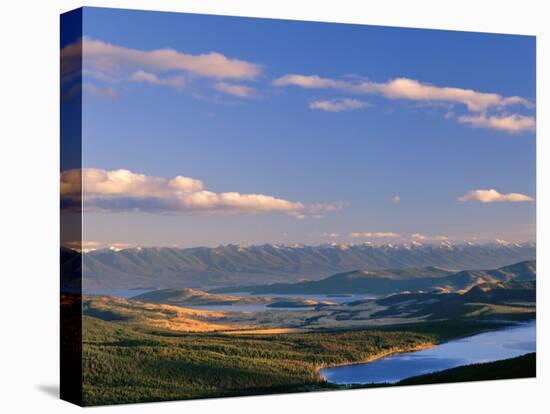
(206,130)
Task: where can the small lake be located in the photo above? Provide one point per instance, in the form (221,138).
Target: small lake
(485,347)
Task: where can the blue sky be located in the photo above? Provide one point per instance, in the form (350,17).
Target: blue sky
(300,132)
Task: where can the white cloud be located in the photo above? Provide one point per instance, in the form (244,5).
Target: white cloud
(309,82)
(240,91)
(109,63)
(403,88)
(375,235)
(396,199)
(337,105)
(180,183)
(177,82)
(493,196)
(123,190)
(510,123)
(108,58)
(410,89)
(414,90)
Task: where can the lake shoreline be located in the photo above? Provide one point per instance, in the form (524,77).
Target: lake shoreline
(421,347)
(418,348)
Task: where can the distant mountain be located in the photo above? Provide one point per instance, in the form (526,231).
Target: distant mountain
(392,281)
(232,265)
(376,282)
(511,300)
(522,271)
(503,292)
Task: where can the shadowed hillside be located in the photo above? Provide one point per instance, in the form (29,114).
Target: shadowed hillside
(524,366)
(391,281)
(193,297)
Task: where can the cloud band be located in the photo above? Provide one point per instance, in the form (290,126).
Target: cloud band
(123,190)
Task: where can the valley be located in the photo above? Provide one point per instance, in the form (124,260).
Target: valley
(179,343)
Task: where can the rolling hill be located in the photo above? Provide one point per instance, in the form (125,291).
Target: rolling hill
(393,281)
(193,297)
(153,316)
(502,300)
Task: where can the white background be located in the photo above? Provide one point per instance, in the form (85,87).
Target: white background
(29,204)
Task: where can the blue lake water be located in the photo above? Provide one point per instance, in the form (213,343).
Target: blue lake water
(485,347)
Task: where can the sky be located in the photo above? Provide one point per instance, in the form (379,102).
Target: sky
(207,130)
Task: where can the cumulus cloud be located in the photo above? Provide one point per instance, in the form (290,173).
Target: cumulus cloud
(180,183)
(124,190)
(493,196)
(240,91)
(106,62)
(414,90)
(337,105)
(108,58)
(510,123)
(375,235)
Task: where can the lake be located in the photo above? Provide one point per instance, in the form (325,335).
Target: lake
(485,347)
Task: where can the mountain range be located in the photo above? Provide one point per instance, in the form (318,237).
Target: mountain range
(384,282)
(230,265)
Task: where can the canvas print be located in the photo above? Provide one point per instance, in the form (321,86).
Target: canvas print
(258,206)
